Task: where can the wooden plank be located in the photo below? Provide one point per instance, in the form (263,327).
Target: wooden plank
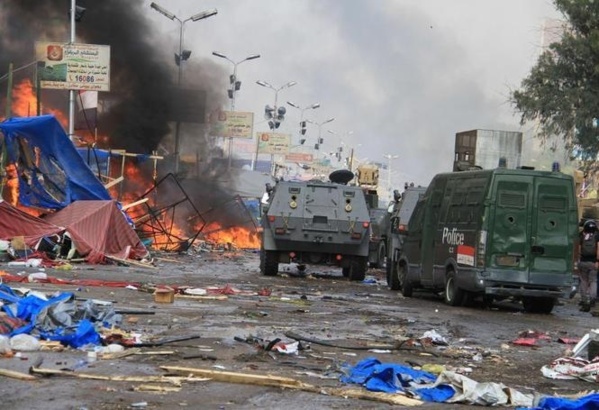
(177,381)
(16,375)
(113,182)
(132,204)
(285,382)
(241,378)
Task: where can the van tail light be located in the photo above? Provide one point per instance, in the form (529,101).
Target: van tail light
(481,249)
(271,218)
(338,257)
(401,228)
(365,224)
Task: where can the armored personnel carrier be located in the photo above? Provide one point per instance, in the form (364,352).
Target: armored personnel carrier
(316,223)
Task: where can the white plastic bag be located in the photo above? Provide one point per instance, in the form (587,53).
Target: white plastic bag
(24,343)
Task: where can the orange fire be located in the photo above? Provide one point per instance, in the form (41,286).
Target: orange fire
(241,237)
(24,103)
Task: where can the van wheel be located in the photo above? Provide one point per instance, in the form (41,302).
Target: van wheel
(538,305)
(454,296)
(381,255)
(357,268)
(406,286)
(269,263)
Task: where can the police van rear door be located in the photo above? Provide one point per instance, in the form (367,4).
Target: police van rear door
(509,230)
(553,230)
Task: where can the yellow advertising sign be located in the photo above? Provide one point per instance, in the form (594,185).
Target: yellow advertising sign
(65,66)
(232,124)
(273,143)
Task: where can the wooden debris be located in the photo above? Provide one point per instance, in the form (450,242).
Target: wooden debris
(130,262)
(16,375)
(202,297)
(132,352)
(113,182)
(285,382)
(177,381)
(132,204)
(156,389)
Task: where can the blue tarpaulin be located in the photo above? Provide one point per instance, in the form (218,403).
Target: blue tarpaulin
(590,402)
(391,378)
(51,172)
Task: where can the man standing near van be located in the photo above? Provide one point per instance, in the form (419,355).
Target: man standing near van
(588,264)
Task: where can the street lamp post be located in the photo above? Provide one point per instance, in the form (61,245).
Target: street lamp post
(319,125)
(302,122)
(389,158)
(274,114)
(235,86)
(182,56)
(339,151)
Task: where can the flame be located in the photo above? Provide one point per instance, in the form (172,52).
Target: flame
(240,236)
(24,103)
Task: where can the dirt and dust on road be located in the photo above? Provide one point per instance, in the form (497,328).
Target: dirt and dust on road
(219,348)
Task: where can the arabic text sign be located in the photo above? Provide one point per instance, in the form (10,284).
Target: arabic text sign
(273,143)
(233,124)
(299,157)
(66,66)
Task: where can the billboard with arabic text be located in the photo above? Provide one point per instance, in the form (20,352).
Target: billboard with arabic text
(65,66)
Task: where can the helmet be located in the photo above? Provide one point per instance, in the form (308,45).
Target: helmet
(589,226)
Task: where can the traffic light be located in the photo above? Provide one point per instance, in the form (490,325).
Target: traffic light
(303,127)
(320,140)
(302,141)
(268,112)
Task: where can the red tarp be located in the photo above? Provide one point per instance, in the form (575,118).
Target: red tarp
(16,223)
(99,229)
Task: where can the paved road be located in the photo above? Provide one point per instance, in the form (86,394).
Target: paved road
(342,320)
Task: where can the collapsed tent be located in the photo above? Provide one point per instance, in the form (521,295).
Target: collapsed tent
(16,223)
(50,171)
(99,230)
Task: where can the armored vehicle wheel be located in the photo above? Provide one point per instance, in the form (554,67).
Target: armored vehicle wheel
(389,270)
(454,296)
(345,271)
(393,279)
(381,255)
(538,305)
(269,263)
(357,268)
(407,289)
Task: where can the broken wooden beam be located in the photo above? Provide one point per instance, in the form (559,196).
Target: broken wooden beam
(16,375)
(289,383)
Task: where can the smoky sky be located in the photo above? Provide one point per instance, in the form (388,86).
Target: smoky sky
(143,73)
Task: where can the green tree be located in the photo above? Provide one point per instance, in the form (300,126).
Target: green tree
(561,92)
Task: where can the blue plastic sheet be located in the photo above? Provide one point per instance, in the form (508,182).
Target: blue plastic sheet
(59,175)
(590,402)
(391,378)
(35,311)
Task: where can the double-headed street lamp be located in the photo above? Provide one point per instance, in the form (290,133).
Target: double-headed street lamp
(302,122)
(275,115)
(339,151)
(235,85)
(319,125)
(182,56)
